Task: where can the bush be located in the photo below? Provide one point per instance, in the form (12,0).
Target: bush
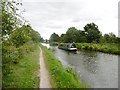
(12,57)
(9,53)
(26,48)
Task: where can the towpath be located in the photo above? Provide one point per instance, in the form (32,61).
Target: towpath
(44,75)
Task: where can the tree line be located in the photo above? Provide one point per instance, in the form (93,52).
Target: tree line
(90,34)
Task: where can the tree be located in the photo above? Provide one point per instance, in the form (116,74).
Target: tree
(10,18)
(110,38)
(41,40)
(35,36)
(24,34)
(82,36)
(118,40)
(73,34)
(113,38)
(64,38)
(54,38)
(92,32)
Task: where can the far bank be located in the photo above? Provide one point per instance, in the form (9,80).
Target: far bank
(111,48)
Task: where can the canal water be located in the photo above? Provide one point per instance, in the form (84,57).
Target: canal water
(98,70)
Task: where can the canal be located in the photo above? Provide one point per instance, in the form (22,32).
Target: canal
(98,70)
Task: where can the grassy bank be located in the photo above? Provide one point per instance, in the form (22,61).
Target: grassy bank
(24,73)
(111,48)
(60,77)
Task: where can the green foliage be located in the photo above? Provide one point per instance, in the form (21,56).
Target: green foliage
(53,43)
(109,38)
(10,18)
(18,45)
(9,52)
(23,35)
(72,33)
(90,34)
(54,38)
(35,36)
(24,73)
(60,77)
(18,41)
(82,36)
(93,33)
(26,48)
(20,36)
(103,47)
(64,38)
(12,57)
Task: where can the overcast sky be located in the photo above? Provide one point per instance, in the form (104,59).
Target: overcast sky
(48,16)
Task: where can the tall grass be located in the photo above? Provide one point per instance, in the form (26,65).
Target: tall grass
(60,77)
(102,47)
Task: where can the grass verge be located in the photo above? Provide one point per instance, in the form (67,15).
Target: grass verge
(60,77)
(25,73)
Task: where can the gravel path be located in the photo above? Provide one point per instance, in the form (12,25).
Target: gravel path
(44,75)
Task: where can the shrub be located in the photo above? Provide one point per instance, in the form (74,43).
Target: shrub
(26,48)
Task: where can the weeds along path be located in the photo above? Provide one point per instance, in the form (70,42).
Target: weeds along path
(44,75)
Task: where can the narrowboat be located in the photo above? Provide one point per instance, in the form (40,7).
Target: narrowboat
(68,47)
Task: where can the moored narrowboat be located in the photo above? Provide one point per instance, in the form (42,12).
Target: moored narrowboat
(68,46)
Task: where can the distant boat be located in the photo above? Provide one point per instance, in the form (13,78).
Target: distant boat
(68,47)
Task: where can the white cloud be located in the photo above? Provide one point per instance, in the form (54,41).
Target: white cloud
(48,16)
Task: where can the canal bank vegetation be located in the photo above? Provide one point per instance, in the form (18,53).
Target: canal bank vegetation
(102,47)
(20,51)
(22,72)
(60,77)
(90,38)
